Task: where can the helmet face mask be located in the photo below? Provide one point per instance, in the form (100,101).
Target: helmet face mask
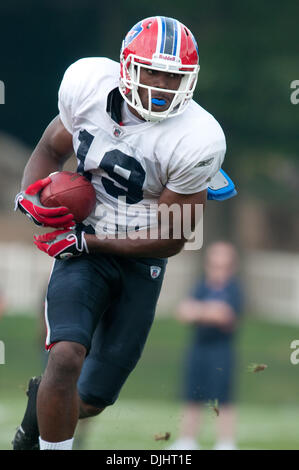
(176,55)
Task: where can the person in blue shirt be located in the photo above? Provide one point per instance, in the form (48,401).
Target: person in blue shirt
(213,309)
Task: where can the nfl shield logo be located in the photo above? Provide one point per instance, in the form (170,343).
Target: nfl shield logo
(117,132)
(155,271)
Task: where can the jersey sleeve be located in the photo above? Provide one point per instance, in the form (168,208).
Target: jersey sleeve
(80,82)
(195,163)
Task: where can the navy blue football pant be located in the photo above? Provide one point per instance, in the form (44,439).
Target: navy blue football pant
(106,303)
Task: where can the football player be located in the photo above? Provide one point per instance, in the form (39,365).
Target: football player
(140,139)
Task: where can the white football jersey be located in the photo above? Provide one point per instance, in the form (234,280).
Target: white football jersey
(131,165)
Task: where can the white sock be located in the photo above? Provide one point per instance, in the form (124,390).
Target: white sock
(64,445)
(184,443)
(225,444)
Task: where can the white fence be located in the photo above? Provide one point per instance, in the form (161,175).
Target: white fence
(24,274)
(272,284)
(271,281)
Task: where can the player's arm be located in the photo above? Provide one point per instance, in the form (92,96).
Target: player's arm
(210,312)
(50,154)
(159,245)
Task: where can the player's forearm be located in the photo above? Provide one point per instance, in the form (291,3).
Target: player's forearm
(41,163)
(135,248)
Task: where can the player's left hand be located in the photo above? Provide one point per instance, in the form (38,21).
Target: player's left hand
(62,244)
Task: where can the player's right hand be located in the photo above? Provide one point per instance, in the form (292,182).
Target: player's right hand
(28,202)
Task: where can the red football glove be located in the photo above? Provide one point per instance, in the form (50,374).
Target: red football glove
(29,203)
(62,244)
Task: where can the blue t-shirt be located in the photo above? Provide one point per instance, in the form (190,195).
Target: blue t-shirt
(231,293)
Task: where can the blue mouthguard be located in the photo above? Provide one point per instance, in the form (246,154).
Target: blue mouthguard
(158,102)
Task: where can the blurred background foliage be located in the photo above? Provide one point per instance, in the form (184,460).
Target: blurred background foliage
(248,55)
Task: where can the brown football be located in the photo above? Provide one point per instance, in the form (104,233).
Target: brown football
(71,190)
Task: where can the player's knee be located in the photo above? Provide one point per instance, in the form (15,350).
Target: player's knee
(87,411)
(66,359)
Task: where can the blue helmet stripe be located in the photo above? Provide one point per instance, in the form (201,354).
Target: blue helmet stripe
(169,36)
(175,42)
(163,35)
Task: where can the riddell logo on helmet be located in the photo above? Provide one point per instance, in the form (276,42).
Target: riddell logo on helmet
(167,57)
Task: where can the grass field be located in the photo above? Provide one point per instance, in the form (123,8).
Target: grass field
(149,403)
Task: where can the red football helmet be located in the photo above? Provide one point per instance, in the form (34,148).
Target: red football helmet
(162,44)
